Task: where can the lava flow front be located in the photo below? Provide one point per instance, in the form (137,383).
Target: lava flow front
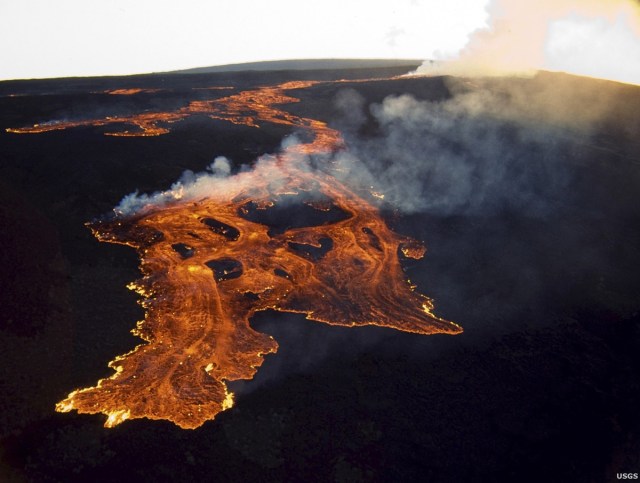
(281,237)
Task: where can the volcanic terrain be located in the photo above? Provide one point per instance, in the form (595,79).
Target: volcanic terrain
(524,191)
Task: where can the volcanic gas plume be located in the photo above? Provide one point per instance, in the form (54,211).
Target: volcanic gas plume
(212,256)
(595,38)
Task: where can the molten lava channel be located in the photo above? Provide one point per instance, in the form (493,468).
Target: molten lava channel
(210,263)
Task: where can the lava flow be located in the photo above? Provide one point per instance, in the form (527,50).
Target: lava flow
(130,92)
(281,236)
(246,108)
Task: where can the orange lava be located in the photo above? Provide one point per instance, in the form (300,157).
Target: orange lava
(129,92)
(147,124)
(214,88)
(246,108)
(209,263)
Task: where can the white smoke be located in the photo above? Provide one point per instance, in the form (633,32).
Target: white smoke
(216,181)
(221,166)
(598,38)
(190,186)
(495,145)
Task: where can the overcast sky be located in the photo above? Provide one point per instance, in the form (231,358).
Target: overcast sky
(56,38)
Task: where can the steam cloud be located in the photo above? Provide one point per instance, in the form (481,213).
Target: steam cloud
(495,145)
(214,181)
(451,156)
(190,186)
(598,38)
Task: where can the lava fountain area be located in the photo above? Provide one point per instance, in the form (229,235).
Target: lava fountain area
(281,236)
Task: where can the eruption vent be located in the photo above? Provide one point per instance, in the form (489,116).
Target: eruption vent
(216,250)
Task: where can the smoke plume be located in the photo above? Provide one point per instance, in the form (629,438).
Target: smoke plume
(597,38)
(486,151)
(495,145)
(209,183)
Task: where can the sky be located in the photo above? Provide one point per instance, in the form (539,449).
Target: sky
(47,38)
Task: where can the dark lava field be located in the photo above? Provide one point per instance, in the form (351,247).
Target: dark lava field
(526,193)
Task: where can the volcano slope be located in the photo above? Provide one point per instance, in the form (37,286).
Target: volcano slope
(524,192)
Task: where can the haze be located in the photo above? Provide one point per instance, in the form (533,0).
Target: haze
(596,38)
(43,39)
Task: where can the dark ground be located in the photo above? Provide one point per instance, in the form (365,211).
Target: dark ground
(543,385)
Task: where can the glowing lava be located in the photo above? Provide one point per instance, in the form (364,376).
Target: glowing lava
(246,108)
(147,124)
(130,92)
(209,263)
